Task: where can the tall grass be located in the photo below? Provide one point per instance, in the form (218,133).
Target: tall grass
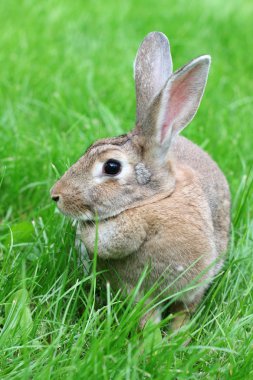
(66,80)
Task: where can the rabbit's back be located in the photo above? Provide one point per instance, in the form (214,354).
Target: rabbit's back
(213,183)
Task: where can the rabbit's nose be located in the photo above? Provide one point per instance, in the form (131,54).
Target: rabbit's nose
(55,198)
(56,192)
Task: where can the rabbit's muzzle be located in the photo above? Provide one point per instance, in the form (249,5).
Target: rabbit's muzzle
(70,201)
(56,192)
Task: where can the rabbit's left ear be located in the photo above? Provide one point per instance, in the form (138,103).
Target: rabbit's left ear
(152,68)
(175,106)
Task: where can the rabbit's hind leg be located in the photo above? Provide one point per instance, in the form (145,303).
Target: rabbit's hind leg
(182,313)
(153,315)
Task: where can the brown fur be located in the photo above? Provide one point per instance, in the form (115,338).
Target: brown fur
(168,209)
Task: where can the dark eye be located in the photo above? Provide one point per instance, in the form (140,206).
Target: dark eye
(112,167)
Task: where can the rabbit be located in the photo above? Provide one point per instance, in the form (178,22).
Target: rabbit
(160,199)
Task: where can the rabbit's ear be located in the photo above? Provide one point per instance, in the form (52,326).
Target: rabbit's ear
(176,104)
(152,68)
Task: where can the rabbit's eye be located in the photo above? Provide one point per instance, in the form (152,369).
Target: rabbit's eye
(112,167)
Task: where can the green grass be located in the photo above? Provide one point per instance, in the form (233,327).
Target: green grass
(66,80)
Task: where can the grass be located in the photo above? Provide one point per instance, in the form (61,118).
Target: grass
(66,80)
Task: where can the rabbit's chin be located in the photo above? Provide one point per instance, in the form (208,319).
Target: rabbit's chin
(90,217)
(81,217)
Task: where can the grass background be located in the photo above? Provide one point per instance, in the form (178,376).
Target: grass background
(66,80)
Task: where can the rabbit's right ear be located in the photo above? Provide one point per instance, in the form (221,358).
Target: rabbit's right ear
(152,68)
(175,106)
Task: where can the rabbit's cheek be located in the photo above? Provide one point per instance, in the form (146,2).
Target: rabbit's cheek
(102,196)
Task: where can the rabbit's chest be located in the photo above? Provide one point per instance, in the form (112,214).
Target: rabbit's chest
(114,239)
(127,272)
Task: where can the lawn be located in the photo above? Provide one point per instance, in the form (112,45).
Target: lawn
(66,80)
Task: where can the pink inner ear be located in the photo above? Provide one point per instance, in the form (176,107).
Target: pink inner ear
(179,100)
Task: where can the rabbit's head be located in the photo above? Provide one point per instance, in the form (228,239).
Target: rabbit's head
(115,173)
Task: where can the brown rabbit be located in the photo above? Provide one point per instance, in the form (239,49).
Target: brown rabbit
(160,200)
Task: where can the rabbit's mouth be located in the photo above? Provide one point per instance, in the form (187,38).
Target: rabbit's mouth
(75,210)
(86,217)
(83,213)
